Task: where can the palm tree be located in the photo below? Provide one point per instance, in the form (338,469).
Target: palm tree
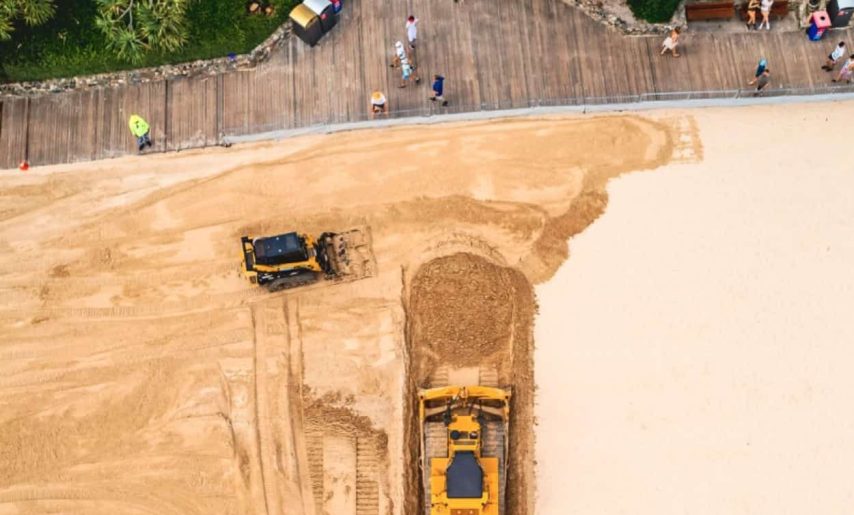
(133,27)
(32,12)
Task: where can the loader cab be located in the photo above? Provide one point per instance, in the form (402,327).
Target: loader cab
(281,249)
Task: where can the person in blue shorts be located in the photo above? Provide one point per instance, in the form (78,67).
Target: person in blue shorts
(407,71)
(439,90)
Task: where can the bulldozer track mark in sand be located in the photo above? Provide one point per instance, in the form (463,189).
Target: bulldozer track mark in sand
(440,376)
(271,331)
(314,447)
(239,374)
(687,146)
(335,434)
(299,438)
(340,468)
(367,468)
(488,376)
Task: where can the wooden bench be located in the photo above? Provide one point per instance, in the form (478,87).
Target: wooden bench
(703,11)
(780,9)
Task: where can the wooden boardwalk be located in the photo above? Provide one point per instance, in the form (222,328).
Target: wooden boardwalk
(494,54)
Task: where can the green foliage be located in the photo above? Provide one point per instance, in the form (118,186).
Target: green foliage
(133,27)
(32,12)
(74,44)
(654,11)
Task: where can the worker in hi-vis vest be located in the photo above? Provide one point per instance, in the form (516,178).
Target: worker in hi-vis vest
(140,129)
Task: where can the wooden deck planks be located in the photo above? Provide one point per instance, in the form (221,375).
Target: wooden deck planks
(13,131)
(496,54)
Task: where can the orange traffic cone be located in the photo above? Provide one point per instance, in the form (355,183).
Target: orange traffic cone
(24,166)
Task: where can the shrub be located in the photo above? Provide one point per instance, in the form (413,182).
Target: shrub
(71,44)
(654,11)
(31,12)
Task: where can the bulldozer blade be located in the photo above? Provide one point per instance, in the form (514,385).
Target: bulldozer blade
(350,254)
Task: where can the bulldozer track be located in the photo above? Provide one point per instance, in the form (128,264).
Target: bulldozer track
(367,487)
(435,446)
(494,445)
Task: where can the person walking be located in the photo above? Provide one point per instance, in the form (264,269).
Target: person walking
(412,31)
(763,64)
(671,42)
(846,71)
(439,90)
(378,104)
(412,36)
(140,130)
(752,6)
(834,56)
(761,81)
(765,10)
(407,71)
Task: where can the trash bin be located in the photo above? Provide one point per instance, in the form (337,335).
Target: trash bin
(325,11)
(819,22)
(306,24)
(840,12)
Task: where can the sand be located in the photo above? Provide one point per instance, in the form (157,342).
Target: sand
(140,373)
(693,355)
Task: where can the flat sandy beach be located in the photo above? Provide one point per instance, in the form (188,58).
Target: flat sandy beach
(694,354)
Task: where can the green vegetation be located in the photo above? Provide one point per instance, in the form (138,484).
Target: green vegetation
(133,27)
(654,11)
(81,39)
(31,12)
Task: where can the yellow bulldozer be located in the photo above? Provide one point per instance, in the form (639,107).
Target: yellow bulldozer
(464,449)
(296,259)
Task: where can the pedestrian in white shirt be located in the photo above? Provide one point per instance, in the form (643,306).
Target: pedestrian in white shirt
(412,31)
(834,57)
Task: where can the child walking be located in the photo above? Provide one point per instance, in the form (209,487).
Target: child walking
(670,43)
